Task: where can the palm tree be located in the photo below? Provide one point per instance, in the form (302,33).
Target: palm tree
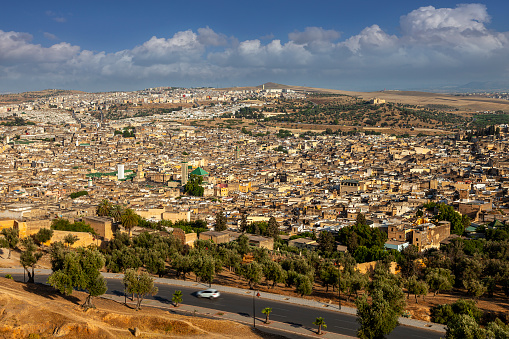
(267,311)
(104,208)
(116,212)
(320,323)
(177,298)
(129,219)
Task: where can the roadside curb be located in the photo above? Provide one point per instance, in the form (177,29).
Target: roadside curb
(271,296)
(184,309)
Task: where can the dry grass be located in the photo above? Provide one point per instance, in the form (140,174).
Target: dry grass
(38,311)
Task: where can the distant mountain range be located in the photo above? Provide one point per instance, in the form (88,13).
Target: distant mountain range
(474,86)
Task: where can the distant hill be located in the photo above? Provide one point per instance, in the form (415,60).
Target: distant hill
(17,98)
(474,87)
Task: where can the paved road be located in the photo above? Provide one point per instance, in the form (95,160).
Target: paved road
(292,315)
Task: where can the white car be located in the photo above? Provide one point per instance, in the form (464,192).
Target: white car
(210,293)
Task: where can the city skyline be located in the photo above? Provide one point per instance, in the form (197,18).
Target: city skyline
(364,46)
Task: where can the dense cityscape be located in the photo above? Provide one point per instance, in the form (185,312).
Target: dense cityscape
(221,191)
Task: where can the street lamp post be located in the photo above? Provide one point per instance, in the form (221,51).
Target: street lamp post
(254,319)
(257,294)
(339,287)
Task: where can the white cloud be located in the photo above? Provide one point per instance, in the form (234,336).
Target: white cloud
(461,28)
(313,34)
(56,17)
(50,36)
(434,44)
(371,39)
(208,37)
(16,47)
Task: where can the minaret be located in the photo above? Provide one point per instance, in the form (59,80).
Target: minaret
(236,153)
(184,172)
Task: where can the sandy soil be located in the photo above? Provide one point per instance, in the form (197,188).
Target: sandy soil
(38,311)
(496,306)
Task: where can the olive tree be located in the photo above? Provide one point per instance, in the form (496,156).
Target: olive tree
(80,269)
(10,239)
(140,285)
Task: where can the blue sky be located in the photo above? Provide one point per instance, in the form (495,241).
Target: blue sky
(351,45)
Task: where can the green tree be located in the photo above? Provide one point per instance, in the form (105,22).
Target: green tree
(303,285)
(80,269)
(243,244)
(497,329)
(442,314)
(243,223)
(177,298)
(104,208)
(129,220)
(361,219)
(439,280)
(10,239)
(416,287)
(182,264)
(204,267)
(352,282)
(122,259)
(193,186)
(272,228)
(140,285)
(326,242)
(320,322)
(329,274)
(379,316)
(116,212)
(252,272)
(274,272)
(43,236)
(465,327)
(29,257)
(267,311)
(154,262)
(70,239)
(448,213)
(220,222)
(475,288)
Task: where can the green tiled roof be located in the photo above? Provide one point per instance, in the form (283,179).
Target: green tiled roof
(199,171)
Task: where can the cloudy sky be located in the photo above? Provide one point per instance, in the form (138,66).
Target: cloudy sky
(351,45)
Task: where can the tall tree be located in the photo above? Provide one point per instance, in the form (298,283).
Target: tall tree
(81,270)
(326,242)
(272,228)
(379,316)
(10,239)
(29,257)
(220,222)
(140,285)
(129,220)
(193,186)
(116,212)
(104,208)
(361,219)
(243,223)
